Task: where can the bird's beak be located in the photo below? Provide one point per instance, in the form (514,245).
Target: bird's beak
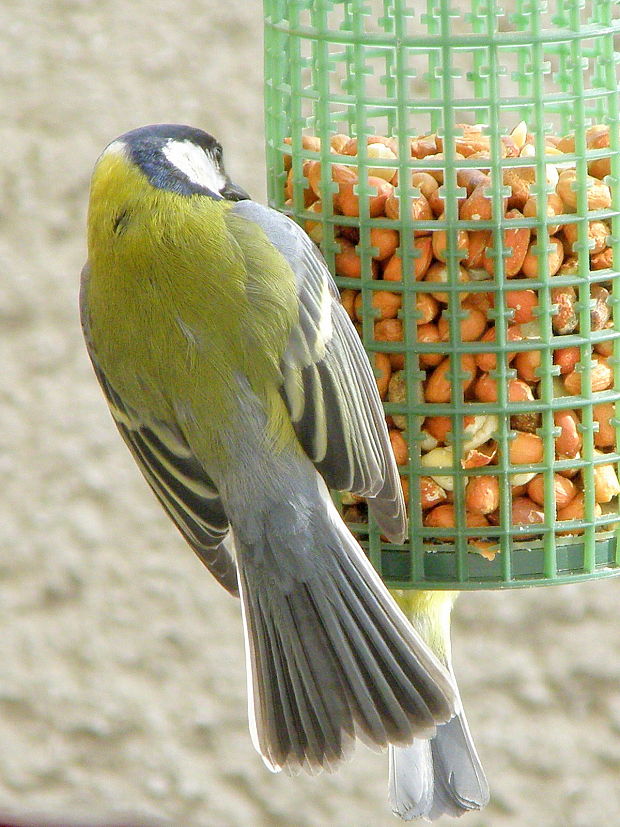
(233,192)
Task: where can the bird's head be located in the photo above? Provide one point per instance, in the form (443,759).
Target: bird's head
(181,159)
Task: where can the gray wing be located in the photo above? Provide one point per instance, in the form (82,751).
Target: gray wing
(329,387)
(179,482)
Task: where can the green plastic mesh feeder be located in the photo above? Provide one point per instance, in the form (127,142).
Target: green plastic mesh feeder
(458,165)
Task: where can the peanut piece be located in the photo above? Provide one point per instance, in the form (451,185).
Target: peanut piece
(606,485)
(431,494)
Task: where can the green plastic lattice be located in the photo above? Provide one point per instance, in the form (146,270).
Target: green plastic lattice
(405,68)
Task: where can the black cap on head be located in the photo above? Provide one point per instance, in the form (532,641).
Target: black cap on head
(182,159)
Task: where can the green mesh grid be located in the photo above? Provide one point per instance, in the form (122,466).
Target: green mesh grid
(408,68)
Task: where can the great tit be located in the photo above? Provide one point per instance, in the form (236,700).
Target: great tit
(242,390)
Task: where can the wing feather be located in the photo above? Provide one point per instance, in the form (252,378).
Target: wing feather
(328,383)
(179,482)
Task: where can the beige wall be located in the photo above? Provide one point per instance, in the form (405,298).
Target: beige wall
(122,685)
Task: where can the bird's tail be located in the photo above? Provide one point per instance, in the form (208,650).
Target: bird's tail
(442,775)
(330,655)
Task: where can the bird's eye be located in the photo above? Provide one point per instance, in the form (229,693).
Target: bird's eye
(218,154)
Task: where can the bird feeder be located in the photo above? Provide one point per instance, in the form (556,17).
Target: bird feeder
(458,165)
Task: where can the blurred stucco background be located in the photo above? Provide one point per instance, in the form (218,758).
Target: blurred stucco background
(122,685)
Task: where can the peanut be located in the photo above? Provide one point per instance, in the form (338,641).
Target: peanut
(397,361)
(525,448)
(383,372)
(423,146)
(603,260)
(429,333)
(526,512)
(598,233)
(471,327)
(431,494)
(420,210)
(440,426)
(382,152)
(437,172)
(477,206)
(478,301)
(439,387)
(486,390)
(420,262)
(347,300)
(606,485)
(568,443)
(385,242)
(470,178)
(606,346)
(604,414)
(555,206)
(427,308)
(527,363)
(520,189)
(338,142)
(600,312)
(443,516)
(479,240)
(348,202)
(397,393)
(523,303)
(389,330)
(601,377)
(438,272)
(399,447)
(482,494)
(575,510)
(314,228)
(348,262)
(555,256)
(472,140)
(424,183)
(443,244)
(488,361)
(404,484)
(565,319)
(517,241)
(339,173)
(598,194)
(566,358)
(563,490)
(526,421)
(384,303)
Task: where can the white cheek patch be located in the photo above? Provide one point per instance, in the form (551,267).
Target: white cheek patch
(194,162)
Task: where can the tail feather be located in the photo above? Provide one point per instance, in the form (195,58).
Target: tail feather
(286,703)
(391,689)
(330,654)
(457,765)
(442,776)
(411,787)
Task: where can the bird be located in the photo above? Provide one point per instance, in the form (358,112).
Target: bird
(243,392)
(442,775)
